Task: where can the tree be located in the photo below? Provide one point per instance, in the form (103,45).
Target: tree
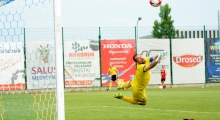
(164,28)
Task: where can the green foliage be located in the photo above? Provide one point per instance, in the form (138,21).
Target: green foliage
(164,28)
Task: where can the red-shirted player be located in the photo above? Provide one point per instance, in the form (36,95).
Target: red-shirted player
(163,77)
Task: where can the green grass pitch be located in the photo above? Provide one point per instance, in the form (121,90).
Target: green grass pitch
(167,104)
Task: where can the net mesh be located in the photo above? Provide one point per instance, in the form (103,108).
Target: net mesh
(27,60)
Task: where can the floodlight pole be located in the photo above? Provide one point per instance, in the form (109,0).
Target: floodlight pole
(139,18)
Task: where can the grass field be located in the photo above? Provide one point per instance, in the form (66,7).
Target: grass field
(167,104)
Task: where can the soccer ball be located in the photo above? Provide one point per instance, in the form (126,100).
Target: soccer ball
(155,3)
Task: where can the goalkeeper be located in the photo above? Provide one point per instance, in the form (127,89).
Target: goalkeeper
(141,79)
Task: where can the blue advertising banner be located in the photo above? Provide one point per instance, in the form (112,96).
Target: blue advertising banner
(212,60)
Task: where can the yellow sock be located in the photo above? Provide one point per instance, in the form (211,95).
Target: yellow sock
(125,85)
(110,85)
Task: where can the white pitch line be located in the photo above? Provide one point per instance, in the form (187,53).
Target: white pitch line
(144,108)
(147,109)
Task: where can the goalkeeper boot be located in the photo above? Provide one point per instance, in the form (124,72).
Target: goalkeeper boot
(118,95)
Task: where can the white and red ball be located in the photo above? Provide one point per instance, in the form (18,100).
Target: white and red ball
(155,3)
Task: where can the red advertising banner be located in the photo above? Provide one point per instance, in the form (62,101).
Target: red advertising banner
(19,86)
(119,53)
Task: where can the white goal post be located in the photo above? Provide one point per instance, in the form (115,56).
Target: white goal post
(59,60)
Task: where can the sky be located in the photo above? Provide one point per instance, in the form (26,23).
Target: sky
(187,15)
(125,13)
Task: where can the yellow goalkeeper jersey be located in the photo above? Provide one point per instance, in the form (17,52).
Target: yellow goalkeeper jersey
(141,78)
(112,71)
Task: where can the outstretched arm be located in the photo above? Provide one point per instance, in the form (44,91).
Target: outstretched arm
(152,58)
(152,64)
(155,57)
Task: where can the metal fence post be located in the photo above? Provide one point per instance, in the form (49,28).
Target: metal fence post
(100,56)
(171,61)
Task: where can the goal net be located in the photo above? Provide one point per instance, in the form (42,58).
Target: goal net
(28,80)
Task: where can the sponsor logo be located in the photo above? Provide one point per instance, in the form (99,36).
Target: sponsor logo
(117,46)
(10,50)
(78,51)
(77,47)
(188,60)
(215,48)
(44,53)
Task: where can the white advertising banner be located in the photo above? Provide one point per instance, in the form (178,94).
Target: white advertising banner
(12,66)
(82,64)
(188,61)
(40,60)
(152,47)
